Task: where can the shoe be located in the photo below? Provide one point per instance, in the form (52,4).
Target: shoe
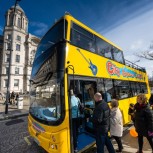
(139,151)
(119,151)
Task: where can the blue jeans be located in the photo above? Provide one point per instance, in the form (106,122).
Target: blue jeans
(101,141)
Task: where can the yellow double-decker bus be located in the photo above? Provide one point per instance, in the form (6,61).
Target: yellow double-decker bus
(73,56)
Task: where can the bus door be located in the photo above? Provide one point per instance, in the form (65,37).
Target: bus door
(84,90)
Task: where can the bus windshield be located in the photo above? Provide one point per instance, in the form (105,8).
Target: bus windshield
(46,101)
(54,35)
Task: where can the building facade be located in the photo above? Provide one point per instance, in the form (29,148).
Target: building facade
(19,49)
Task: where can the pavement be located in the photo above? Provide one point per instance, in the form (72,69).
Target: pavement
(130,143)
(13,110)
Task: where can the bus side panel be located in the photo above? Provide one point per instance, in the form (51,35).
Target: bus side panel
(124,106)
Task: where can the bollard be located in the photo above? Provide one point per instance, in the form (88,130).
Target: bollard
(20,103)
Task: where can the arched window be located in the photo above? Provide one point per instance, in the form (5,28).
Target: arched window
(19,22)
(11,20)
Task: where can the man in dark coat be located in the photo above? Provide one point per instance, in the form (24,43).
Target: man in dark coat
(143,121)
(101,123)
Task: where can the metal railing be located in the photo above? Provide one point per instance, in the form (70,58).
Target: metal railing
(135,66)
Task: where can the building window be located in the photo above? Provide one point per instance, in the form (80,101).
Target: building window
(23,23)
(8,46)
(17,58)
(31,60)
(11,19)
(7,58)
(33,52)
(17,47)
(16,70)
(26,27)
(5,83)
(18,38)
(8,37)
(19,22)
(16,82)
(6,70)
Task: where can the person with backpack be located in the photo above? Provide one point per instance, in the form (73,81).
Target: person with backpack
(12,97)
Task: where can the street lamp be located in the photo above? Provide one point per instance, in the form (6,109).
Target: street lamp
(10,61)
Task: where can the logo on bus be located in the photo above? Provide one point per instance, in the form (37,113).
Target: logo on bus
(125,72)
(113,69)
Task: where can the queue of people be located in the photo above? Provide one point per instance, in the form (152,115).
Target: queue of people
(13,98)
(106,119)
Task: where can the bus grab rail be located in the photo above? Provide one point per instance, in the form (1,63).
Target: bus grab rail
(133,65)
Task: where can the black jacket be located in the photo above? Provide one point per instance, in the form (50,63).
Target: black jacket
(101,117)
(143,119)
(151,99)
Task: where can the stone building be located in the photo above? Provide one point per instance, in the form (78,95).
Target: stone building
(23,45)
(1,49)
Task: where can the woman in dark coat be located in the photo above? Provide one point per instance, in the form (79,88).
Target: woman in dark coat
(143,121)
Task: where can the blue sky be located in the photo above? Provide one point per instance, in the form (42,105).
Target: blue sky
(127,23)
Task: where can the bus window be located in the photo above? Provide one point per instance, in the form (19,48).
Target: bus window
(91,47)
(84,90)
(117,55)
(133,88)
(138,91)
(123,89)
(76,39)
(101,87)
(82,38)
(109,90)
(143,87)
(103,48)
(89,91)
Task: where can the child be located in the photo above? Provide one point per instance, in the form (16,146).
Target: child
(131,112)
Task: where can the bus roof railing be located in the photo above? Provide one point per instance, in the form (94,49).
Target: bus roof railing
(135,66)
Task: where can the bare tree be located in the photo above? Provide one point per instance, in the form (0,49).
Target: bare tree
(147,54)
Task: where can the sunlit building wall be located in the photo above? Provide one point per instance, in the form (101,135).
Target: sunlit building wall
(23,45)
